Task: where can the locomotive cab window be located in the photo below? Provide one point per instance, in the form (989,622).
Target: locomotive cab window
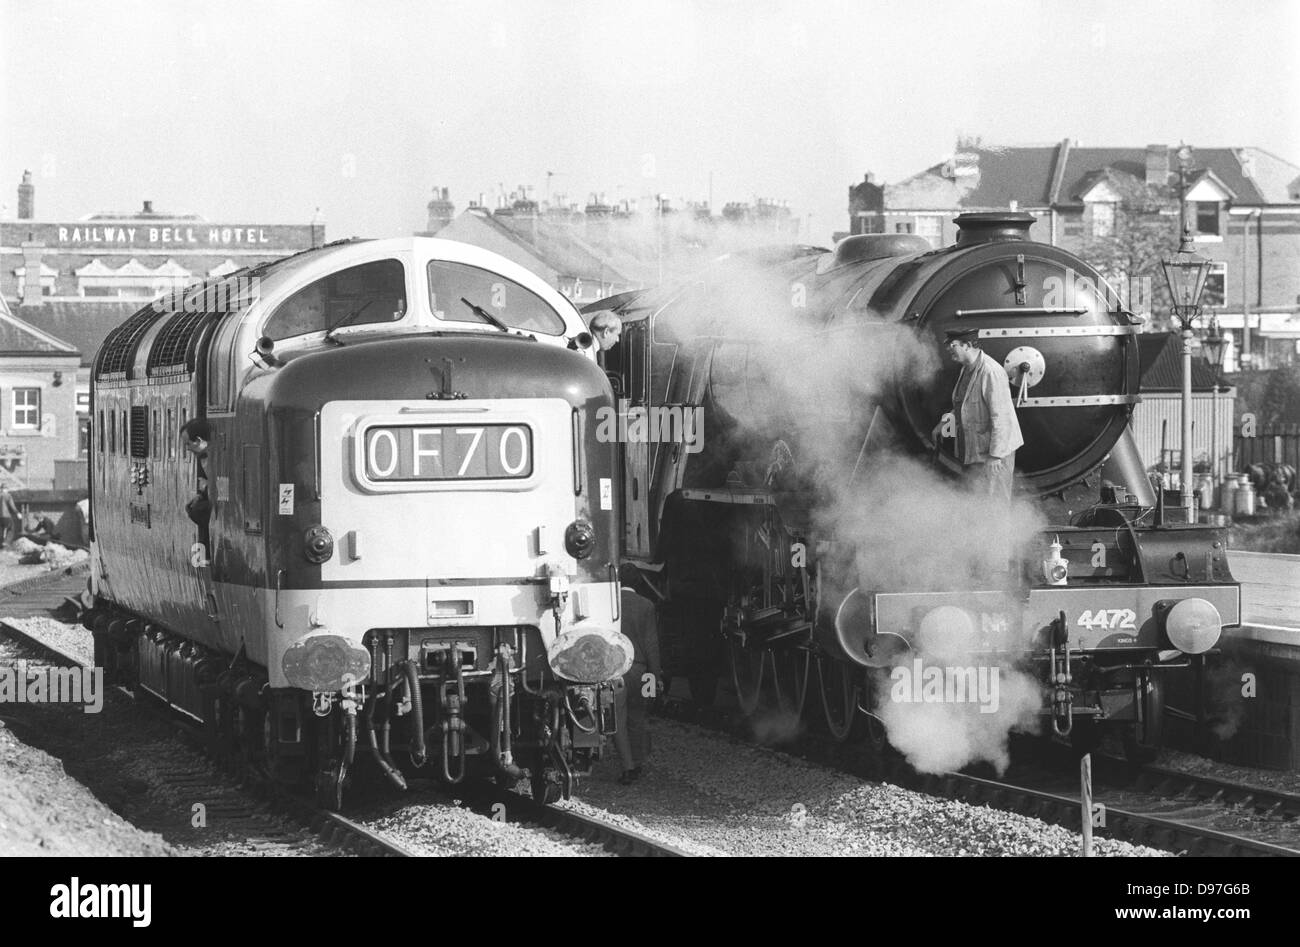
(632,363)
(455,287)
(360,295)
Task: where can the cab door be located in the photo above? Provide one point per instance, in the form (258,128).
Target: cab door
(635,453)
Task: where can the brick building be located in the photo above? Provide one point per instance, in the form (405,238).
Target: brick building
(65,283)
(39,434)
(1243,205)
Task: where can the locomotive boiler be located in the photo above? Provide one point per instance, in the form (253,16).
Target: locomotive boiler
(760,581)
(407,546)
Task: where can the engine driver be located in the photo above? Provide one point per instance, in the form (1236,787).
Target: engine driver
(986,426)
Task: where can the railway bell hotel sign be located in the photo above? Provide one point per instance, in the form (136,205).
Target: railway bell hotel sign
(161,235)
(210,236)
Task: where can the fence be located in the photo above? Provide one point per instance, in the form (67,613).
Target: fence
(1277,444)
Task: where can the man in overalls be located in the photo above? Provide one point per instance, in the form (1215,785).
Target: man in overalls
(987,429)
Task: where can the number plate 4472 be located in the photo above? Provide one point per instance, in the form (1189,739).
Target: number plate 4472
(1109,619)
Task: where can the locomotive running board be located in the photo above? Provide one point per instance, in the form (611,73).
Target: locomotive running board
(1075,401)
(1053,331)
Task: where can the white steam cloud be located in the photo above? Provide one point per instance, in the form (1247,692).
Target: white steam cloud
(783,375)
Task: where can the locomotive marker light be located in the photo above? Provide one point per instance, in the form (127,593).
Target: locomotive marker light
(579,539)
(318,544)
(1056,568)
(1186,274)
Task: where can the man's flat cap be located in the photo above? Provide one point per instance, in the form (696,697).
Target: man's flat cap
(969,334)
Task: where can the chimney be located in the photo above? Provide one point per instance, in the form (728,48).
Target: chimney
(26,198)
(992,227)
(441,210)
(965,164)
(524,217)
(32,253)
(1157,165)
(866,206)
(148,208)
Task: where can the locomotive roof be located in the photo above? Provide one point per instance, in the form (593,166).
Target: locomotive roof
(166,331)
(332,256)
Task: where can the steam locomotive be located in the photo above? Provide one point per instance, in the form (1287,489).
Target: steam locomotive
(728,519)
(408,545)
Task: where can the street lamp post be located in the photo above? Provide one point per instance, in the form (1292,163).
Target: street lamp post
(1186,273)
(1212,346)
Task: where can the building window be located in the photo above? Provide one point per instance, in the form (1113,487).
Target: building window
(83,437)
(1207,218)
(905,227)
(27,409)
(1103,219)
(930,227)
(1216,285)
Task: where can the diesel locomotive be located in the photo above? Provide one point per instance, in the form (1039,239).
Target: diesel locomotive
(757,581)
(407,546)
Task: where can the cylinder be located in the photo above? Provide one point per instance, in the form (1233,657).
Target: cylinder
(1228,493)
(1205,491)
(1245,499)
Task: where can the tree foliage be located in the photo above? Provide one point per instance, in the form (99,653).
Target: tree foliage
(1145,232)
(1281,400)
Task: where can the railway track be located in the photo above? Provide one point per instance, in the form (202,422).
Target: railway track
(1175,833)
(618,839)
(1184,809)
(265,800)
(243,803)
(1160,808)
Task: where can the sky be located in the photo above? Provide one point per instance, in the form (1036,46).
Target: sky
(266,111)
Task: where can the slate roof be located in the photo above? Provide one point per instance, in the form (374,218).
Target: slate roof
(559,248)
(20,337)
(1222,161)
(1013,174)
(82,325)
(1160,355)
(1041,176)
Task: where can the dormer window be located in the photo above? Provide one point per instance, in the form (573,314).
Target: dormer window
(1207,218)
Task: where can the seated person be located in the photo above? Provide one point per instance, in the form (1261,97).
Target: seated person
(40,529)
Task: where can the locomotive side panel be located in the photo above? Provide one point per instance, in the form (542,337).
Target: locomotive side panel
(145,541)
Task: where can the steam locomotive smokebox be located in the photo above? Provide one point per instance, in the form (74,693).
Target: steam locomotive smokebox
(1067,346)
(989,228)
